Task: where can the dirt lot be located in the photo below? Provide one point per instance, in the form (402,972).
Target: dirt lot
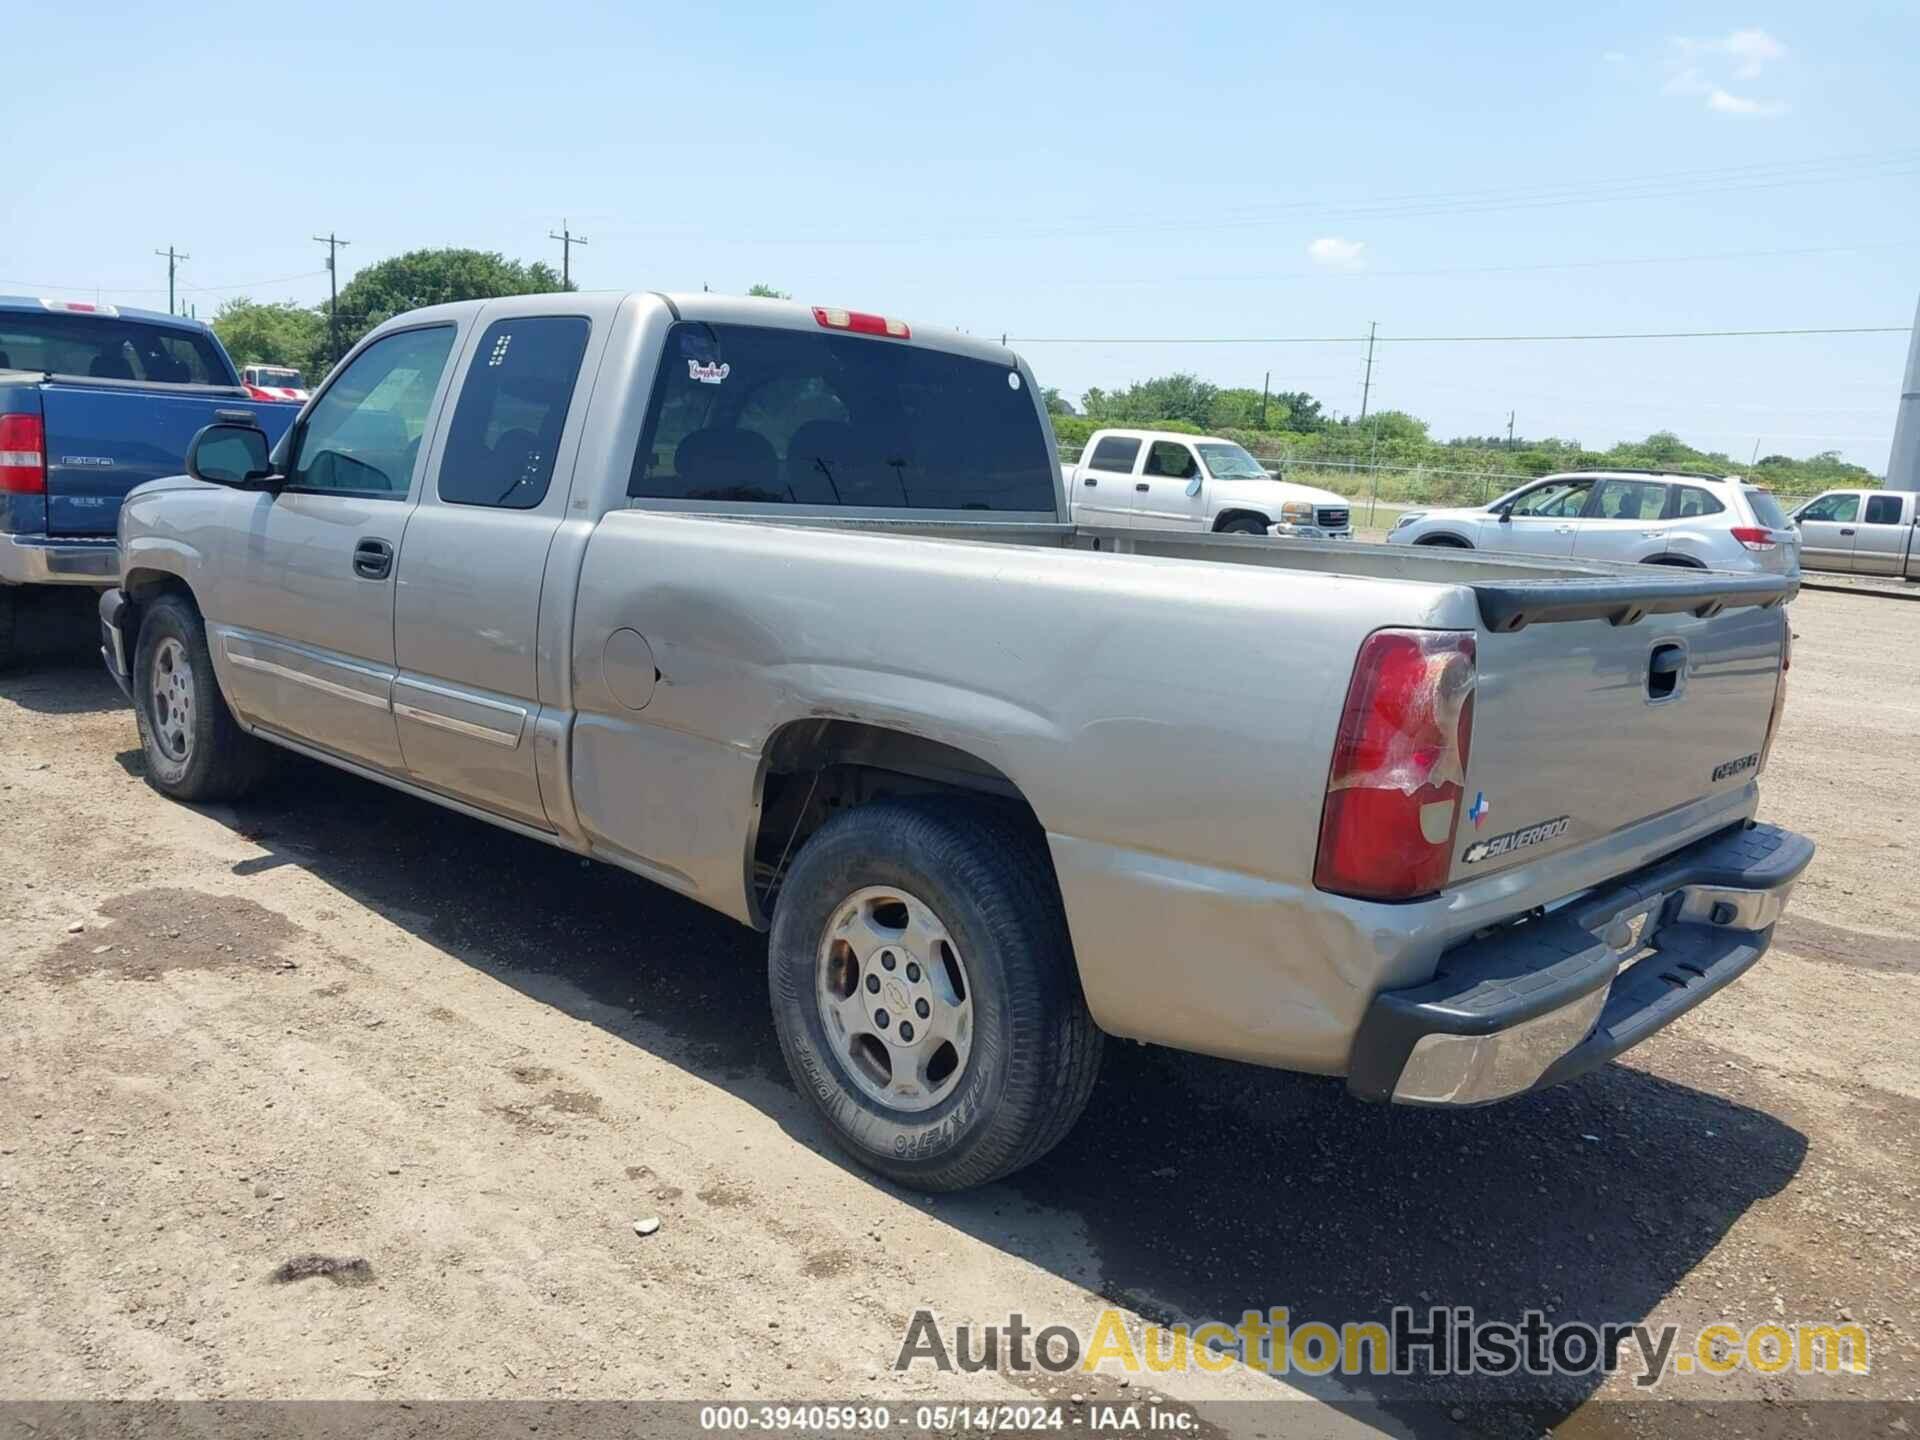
(339,1020)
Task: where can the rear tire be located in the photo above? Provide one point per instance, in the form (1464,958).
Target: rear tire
(6,625)
(1444,542)
(941,914)
(195,749)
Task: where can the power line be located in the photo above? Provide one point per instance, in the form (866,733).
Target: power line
(1439,339)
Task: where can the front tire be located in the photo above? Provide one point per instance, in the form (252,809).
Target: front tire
(1245,525)
(195,749)
(925,994)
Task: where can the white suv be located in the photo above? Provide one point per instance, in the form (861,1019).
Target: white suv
(1652,517)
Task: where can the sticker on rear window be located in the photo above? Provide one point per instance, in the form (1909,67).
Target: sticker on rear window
(1516,840)
(708,374)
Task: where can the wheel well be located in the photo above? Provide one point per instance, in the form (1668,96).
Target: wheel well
(1227,517)
(1677,562)
(813,769)
(143,587)
(1445,542)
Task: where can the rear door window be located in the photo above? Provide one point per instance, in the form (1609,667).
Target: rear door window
(1883,509)
(759,415)
(1630,500)
(1115,455)
(513,406)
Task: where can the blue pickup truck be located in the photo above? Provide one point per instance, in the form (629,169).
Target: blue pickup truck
(95,399)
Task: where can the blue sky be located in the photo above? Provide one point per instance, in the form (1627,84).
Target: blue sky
(1081,171)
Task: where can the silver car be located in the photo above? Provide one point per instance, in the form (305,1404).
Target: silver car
(1637,516)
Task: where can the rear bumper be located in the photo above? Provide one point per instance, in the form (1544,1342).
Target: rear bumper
(114,614)
(38,560)
(1548,999)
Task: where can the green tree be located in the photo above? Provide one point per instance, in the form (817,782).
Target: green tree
(767,292)
(433,277)
(1167,397)
(1392,426)
(1057,404)
(1301,411)
(273,333)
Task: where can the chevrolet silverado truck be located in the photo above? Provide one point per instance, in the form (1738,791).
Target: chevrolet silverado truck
(1163,480)
(782,608)
(94,400)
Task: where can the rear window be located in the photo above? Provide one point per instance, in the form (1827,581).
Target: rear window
(105,347)
(1766,509)
(751,414)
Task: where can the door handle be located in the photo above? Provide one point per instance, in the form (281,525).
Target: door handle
(373,559)
(1653,534)
(1846,530)
(1563,529)
(1089,482)
(1141,486)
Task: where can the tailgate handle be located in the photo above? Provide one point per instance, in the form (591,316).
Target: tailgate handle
(1666,671)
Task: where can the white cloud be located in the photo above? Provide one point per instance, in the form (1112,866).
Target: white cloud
(1752,51)
(1336,253)
(1727,104)
(1695,67)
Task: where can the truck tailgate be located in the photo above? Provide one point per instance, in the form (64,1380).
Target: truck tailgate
(1584,727)
(102,440)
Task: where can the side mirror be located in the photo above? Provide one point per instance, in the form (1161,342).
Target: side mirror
(1506,514)
(232,453)
(1193,487)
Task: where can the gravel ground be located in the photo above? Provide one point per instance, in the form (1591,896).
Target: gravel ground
(337,1021)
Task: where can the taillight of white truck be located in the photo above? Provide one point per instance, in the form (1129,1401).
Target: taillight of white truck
(1399,766)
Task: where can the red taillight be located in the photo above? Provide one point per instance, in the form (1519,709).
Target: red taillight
(1754,539)
(1399,766)
(861,323)
(23,455)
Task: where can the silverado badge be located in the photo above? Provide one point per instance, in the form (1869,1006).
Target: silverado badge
(1516,840)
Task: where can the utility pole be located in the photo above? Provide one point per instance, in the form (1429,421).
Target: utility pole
(333,243)
(567,241)
(174,257)
(1366,389)
(1265,385)
(1509,429)
(1903,461)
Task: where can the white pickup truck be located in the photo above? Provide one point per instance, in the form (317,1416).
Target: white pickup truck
(1163,480)
(783,608)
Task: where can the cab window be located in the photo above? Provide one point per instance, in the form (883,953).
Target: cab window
(1842,508)
(1557,500)
(1171,459)
(1884,509)
(363,435)
(513,406)
(1115,455)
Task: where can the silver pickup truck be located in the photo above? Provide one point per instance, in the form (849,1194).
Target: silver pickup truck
(780,607)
